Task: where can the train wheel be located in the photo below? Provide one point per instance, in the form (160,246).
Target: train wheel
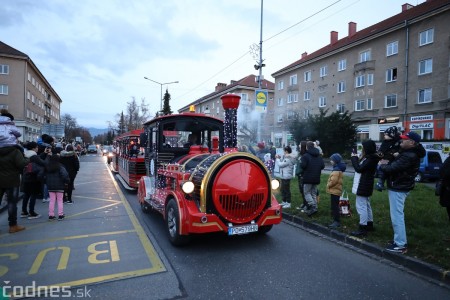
(173,224)
(264,229)
(145,208)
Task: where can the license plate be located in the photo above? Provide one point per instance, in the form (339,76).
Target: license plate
(242,229)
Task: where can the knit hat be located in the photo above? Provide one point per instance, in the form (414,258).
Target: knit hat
(261,145)
(412,136)
(392,131)
(336,157)
(69,147)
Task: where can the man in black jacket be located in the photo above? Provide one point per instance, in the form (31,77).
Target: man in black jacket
(401,173)
(312,165)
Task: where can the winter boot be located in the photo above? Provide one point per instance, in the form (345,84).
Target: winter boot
(370,226)
(362,231)
(15,228)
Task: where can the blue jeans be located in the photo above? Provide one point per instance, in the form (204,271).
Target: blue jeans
(12,195)
(396,207)
(364,209)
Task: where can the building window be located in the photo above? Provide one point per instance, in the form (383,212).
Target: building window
(425,66)
(3,89)
(392,48)
(424,95)
(391,75)
(280,118)
(280,85)
(342,65)
(322,101)
(340,108)
(280,101)
(360,81)
(292,97)
(370,79)
(293,80)
(4,69)
(307,76)
(390,101)
(244,97)
(341,87)
(306,96)
(323,71)
(369,104)
(306,113)
(364,56)
(426,37)
(360,105)
(290,115)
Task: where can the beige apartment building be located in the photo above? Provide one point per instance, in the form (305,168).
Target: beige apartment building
(255,122)
(395,72)
(26,93)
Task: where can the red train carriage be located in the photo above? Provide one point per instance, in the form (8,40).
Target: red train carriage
(128,160)
(198,180)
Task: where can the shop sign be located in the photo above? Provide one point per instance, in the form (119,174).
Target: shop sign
(427,125)
(388,120)
(422,118)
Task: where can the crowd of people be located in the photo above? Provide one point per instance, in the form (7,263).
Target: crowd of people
(44,169)
(394,166)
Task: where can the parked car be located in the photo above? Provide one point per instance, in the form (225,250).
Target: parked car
(92,149)
(430,166)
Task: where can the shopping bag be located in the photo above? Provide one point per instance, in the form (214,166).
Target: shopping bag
(344,205)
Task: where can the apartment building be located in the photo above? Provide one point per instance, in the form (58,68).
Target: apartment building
(255,118)
(26,93)
(395,72)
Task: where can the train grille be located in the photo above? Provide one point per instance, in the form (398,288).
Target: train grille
(238,209)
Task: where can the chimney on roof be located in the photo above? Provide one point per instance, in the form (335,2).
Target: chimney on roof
(351,28)
(333,37)
(304,54)
(406,6)
(220,86)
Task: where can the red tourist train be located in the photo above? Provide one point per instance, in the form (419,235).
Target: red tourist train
(128,160)
(198,180)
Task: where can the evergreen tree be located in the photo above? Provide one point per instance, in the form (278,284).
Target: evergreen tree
(166,105)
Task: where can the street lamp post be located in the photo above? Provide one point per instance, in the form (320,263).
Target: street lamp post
(161,84)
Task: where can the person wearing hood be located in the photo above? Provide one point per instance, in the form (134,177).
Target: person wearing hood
(32,181)
(69,159)
(312,165)
(401,174)
(9,133)
(286,165)
(334,187)
(365,168)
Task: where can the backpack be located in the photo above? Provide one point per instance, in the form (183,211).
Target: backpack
(30,171)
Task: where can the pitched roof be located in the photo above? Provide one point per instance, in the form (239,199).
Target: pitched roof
(248,81)
(10,51)
(386,24)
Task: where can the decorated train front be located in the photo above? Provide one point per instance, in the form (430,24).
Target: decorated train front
(210,188)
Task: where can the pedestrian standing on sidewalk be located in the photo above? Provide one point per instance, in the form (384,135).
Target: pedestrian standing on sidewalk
(57,178)
(32,180)
(401,174)
(312,165)
(365,168)
(12,162)
(299,174)
(334,187)
(286,165)
(69,159)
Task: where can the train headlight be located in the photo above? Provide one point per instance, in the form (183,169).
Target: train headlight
(275,184)
(188,187)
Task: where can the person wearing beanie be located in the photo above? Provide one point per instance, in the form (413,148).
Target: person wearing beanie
(365,167)
(261,151)
(32,181)
(69,159)
(334,187)
(312,165)
(401,174)
(389,146)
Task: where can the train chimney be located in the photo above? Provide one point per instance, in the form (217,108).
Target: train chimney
(230,103)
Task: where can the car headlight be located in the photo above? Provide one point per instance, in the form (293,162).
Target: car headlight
(275,184)
(110,154)
(188,187)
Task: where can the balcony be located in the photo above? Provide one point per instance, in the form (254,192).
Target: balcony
(363,66)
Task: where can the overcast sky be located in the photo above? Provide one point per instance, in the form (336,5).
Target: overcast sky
(96,53)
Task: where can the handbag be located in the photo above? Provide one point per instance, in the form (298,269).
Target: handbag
(344,205)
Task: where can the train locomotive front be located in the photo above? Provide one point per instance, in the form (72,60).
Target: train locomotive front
(212,188)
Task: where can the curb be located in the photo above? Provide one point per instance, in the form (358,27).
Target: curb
(415,265)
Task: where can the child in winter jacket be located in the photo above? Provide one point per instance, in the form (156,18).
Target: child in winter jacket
(57,178)
(334,187)
(286,165)
(269,163)
(9,133)
(387,150)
